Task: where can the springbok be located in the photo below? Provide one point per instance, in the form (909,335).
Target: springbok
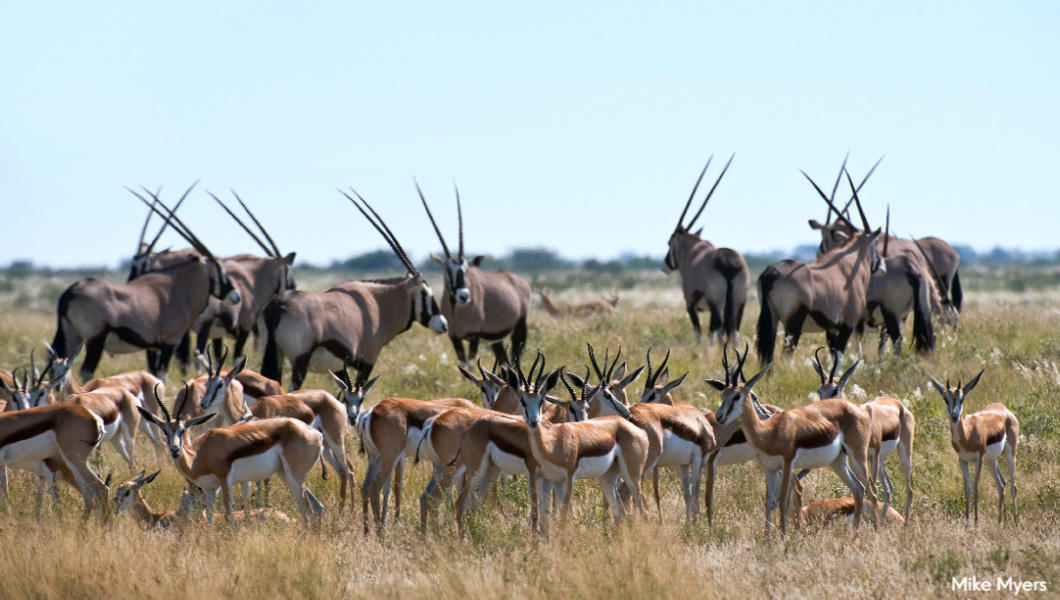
(127,496)
(117,408)
(355,320)
(479,304)
(250,451)
(214,393)
(609,397)
(390,431)
(979,437)
(323,412)
(893,426)
(657,385)
(825,512)
(714,279)
(62,433)
(603,449)
(827,433)
(587,308)
(258,280)
(151,312)
(831,291)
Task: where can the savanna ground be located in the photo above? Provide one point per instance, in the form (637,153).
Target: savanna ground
(1014,335)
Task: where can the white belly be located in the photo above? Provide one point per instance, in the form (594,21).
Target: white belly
(412,439)
(991,453)
(257,467)
(509,463)
(38,447)
(818,457)
(109,430)
(887,448)
(595,467)
(735,455)
(677,451)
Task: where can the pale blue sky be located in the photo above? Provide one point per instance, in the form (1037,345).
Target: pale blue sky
(578,126)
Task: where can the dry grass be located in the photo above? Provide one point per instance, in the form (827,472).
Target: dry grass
(1016,339)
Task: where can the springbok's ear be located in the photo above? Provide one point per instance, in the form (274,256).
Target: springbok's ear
(368,386)
(198,420)
(136,478)
(817,368)
(151,477)
(816,225)
(151,418)
(340,381)
(673,384)
(576,381)
(289,259)
(468,375)
(438,260)
(846,376)
(630,378)
(511,379)
(938,386)
(664,377)
(971,384)
(106,482)
(241,363)
(496,380)
(558,402)
(477,261)
(754,380)
(551,380)
(714,383)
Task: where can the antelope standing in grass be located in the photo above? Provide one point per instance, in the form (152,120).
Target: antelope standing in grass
(587,308)
(117,408)
(390,431)
(251,451)
(480,305)
(603,449)
(323,412)
(258,280)
(319,331)
(714,279)
(831,292)
(50,439)
(827,433)
(657,386)
(981,437)
(609,397)
(214,393)
(893,427)
(127,496)
(151,312)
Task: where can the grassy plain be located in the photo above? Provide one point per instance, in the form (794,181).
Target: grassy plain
(1014,335)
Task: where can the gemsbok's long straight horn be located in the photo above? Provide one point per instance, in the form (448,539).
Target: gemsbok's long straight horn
(268,251)
(681,219)
(264,231)
(711,192)
(384,231)
(441,239)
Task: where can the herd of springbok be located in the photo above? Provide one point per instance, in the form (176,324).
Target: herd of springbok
(230,427)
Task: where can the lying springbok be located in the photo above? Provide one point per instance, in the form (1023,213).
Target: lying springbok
(258,280)
(826,512)
(152,312)
(827,433)
(587,308)
(323,412)
(49,439)
(479,304)
(251,451)
(979,437)
(831,291)
(603,449)
(319,331)
(714,279)
(390,431)
(893,427)
(127,496)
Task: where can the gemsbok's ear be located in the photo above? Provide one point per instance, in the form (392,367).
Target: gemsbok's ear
(438,260)
(477,261)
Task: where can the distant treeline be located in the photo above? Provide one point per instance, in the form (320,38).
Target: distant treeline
(546,260)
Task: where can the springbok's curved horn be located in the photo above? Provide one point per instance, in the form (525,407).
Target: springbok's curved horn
(693,194)
(857,202)
(739,364)
(711,192)
(460,220)
(614,363)
(264,231)
(162,405)
(570,390)
(268,252)
(647,381)
(820,367)
(835,364)
(838,178)
(725,363)
(592,359)
(433,222)
(662,366)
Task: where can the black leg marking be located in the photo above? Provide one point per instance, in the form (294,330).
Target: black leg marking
(458,346)
(793,329)
(93,352)
(298,370)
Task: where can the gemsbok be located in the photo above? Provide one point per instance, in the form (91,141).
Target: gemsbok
(829,433)
(603,449)
(53,433)
(145,258)
(981,437)
(713,279)
(480,305)
(151,312)
(320,331)
(258,280)
(831,292)
(893,427)
(250,451)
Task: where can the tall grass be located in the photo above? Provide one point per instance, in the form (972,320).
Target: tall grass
(1016,340)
